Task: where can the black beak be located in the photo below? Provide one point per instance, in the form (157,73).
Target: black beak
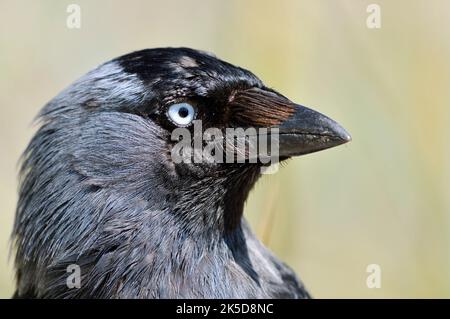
(308,131)
(294,129)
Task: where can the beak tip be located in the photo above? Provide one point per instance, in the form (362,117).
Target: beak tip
(339,132)
(348,138)
(345,136)
(309,131)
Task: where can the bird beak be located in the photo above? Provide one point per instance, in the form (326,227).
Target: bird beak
(299,130)
(307,131)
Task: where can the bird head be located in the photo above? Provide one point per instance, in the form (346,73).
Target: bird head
(112,132)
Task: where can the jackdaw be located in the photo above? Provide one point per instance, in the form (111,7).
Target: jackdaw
(102,197)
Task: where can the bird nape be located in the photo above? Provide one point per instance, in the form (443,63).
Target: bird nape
(105,208)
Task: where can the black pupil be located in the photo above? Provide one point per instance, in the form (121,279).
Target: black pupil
(183,112)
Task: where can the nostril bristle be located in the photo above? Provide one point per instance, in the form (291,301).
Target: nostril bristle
(259,108)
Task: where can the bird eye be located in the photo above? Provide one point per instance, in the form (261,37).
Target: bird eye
(181,114)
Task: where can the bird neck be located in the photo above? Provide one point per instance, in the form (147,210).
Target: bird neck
(215,205)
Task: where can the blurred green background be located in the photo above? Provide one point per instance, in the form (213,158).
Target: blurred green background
(382,199)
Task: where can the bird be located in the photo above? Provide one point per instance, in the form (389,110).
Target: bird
(99,188)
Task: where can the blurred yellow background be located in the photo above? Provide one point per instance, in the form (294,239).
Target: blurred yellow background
(382,199)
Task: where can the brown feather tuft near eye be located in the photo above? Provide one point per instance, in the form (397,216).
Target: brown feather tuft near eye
(259,108)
